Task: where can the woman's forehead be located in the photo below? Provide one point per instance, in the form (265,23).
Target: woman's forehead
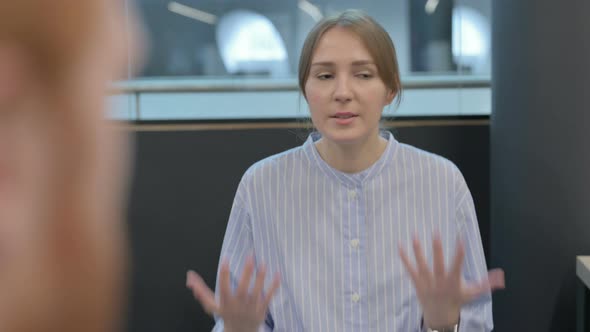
(340,44)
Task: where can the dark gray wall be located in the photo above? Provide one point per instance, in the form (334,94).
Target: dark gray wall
(540,161)
(182,192)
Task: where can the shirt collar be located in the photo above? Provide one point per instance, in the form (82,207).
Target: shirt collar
(351,179)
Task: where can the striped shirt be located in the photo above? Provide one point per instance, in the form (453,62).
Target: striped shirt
(333,237)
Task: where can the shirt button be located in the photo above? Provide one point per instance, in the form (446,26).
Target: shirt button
(354,243)
(352,194)
(355,297)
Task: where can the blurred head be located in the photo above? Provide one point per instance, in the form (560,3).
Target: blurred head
(62,168)
(348,73)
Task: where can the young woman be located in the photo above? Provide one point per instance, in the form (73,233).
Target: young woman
(332,215)
(62,168)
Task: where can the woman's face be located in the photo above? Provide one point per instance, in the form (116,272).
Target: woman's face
(344,91)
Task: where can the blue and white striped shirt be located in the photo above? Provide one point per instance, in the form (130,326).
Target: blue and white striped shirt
(333,237)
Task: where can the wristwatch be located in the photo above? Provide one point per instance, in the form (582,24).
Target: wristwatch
(453,328)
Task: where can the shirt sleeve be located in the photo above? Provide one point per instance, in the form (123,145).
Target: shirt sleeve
(237,245)
(477,315)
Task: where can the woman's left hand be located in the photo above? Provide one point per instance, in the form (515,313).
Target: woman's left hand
(442,293)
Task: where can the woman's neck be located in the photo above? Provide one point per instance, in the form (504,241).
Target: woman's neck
(352,158)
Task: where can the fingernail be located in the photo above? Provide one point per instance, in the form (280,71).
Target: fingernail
(189,276)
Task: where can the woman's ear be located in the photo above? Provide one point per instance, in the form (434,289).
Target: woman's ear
(390,97)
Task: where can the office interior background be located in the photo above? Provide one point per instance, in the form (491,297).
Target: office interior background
(496,86)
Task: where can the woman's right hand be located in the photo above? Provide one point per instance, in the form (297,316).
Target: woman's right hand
(242,309)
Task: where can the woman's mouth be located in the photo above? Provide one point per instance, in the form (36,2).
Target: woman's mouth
(344,115)
(344,118)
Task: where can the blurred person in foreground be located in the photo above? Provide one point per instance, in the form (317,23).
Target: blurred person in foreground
(62,166)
